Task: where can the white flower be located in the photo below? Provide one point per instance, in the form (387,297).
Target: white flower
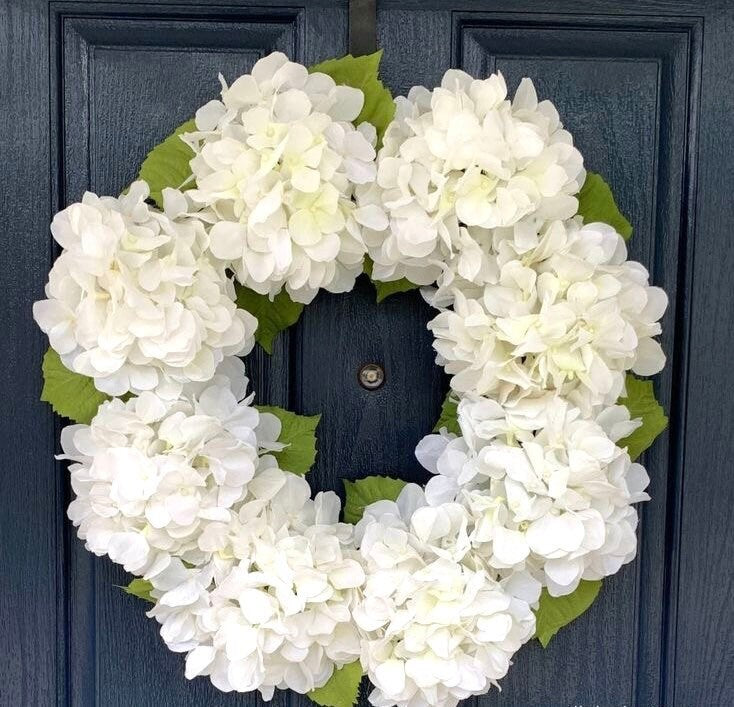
(436,626)
(134,301)
(463,157)
(281,615)
(547,491)
(150,475)
(560,309)
(277,159)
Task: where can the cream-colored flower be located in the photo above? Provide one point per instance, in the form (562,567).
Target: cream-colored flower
(150,475)
(546,490)
(558,310)
(281,615)
(134,300)
(459,158)
(277,160)
(436,626)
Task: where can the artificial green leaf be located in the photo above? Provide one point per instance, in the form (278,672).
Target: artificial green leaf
(385,289)
(141,589)
(596,203)
(70,394)
(640,401)
(167,164)
(299,433)
(362,72)
(556,612)
(342,689)
(449,417)
(273,316)
(362,492)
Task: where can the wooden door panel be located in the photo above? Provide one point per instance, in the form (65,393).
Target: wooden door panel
(626,88)
(623,89)
(127,76)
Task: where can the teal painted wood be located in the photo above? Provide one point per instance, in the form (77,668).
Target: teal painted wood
(645,87)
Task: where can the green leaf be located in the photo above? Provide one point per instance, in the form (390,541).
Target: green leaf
(362,72)
(641,402)
(139,588)
(272,316)
(449,417)
(362,492)
(385,289)
(299,433)
(596,203)
(167,164)
(70,394)
(342,689)
(556,612)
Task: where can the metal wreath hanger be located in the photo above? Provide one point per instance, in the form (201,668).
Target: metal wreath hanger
(362,27)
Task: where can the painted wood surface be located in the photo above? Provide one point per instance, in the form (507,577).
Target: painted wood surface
(647,90)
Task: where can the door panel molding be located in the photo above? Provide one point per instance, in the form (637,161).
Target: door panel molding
(649,64)
(124,76)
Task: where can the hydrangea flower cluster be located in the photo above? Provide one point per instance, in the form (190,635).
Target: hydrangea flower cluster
(277,160)
(134,300)
(437,625)
(559,309)
(460,161)
(275,610)
(547,490)
(150,475)
(180,479)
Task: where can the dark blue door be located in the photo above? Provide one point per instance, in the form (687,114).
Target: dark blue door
(647,89)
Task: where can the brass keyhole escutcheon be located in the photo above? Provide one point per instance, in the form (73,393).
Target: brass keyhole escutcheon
(371,376)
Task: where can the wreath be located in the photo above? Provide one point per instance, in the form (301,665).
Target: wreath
(299,180)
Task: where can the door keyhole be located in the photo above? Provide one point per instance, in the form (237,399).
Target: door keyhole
(371,376)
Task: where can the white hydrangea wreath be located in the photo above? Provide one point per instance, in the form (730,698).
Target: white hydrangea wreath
(269,195)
